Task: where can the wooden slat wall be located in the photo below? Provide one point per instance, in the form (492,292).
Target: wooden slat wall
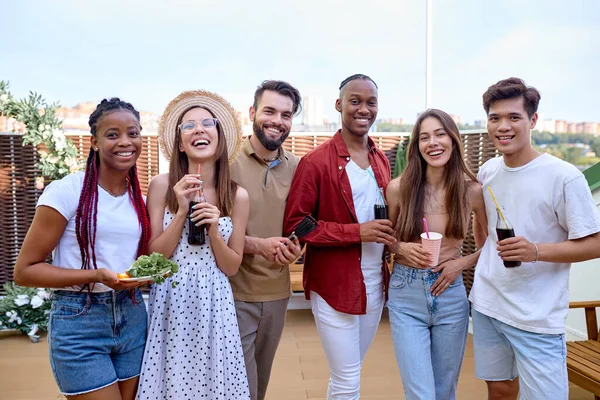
(147,164)
(18,197)
(478,149)
(18,194)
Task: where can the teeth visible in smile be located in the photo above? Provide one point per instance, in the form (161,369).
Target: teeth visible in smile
(125,154)
(435,153)
(504,137)
(362,119)
(274,130)
(201,142)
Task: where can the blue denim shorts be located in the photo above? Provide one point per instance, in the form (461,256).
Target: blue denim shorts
(503,352)
(95,339)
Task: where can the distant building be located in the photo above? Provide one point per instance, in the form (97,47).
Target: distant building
(588,127)
(456,119)
(312,110)
(572,127)
(548,125)
(77,118)
(391,121)
(243,117)
(561,126)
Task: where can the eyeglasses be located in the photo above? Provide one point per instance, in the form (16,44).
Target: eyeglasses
(190,126)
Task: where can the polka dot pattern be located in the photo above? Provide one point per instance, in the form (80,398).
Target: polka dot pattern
(193,349)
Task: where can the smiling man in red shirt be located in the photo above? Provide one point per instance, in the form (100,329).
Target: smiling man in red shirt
(345,276)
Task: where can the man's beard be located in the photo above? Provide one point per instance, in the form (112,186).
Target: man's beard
(268,143)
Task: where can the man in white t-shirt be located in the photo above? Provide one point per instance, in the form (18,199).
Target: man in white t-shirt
(519,313)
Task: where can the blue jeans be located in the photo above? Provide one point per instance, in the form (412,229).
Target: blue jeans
(95,340)
(429,332)
(503,352)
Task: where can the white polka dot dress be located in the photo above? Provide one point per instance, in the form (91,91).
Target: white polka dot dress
(193,349)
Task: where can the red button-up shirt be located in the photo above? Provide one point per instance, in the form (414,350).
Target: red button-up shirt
(322,189)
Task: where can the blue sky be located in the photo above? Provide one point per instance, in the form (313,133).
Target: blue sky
(148,51)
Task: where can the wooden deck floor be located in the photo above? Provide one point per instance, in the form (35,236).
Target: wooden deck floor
(300,369)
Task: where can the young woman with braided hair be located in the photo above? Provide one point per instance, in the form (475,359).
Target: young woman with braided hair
(97,224)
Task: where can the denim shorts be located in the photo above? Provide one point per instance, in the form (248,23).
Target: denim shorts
(503,352)
(95,339)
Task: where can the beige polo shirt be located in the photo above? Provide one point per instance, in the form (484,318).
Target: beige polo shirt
(268,186)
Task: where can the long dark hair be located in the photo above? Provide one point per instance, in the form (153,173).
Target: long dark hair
(413,184)
(179,166)
(87,209)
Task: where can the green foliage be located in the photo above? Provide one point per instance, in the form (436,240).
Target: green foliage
(561,146)
(25,309)
(540,138)
(155,265)
(387,127)
(37,121)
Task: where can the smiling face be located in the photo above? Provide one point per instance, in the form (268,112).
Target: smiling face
(272,120)
(509,127)
(435,144)
(358,106)
(118,140)
(201,141)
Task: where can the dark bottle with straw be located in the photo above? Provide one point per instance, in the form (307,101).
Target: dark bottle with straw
(196,234)
(504,228)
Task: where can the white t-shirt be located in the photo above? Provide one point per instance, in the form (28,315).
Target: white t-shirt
(117,234)
(547,201)
(365,193)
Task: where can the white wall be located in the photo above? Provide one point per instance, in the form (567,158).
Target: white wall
(584,284)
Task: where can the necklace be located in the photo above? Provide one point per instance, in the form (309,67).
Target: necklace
(115,195)
(270,160)
(435,206)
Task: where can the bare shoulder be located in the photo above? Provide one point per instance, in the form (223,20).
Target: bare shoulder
(242,200)
(241,195)
(393,188)
(159,183)
(474,189)
(158,187)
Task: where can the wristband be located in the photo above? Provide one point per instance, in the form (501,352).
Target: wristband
(537,253)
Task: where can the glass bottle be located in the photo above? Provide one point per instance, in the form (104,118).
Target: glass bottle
(505,230)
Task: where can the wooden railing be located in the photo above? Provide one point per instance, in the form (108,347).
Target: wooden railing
(18,194)
(478,149)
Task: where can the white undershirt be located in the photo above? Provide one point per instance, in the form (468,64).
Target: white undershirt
(364,195)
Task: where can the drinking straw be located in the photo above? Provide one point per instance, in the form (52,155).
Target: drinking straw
(200,188)
(498,208)
(426,228)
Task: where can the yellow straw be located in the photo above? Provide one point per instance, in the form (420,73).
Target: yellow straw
(498,207)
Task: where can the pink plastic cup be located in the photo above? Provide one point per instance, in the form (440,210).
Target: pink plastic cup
(432,245)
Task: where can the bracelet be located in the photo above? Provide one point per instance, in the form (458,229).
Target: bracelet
(537,253)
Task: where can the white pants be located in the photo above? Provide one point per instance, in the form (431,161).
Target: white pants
(346,339)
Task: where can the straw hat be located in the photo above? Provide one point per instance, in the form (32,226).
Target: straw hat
(223,111)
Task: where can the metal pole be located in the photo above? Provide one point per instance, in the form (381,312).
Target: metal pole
(429,55)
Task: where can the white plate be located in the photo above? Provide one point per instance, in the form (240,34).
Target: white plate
(138,279)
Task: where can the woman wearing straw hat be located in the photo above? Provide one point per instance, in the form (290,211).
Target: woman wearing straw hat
(428,307)
(193,348)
